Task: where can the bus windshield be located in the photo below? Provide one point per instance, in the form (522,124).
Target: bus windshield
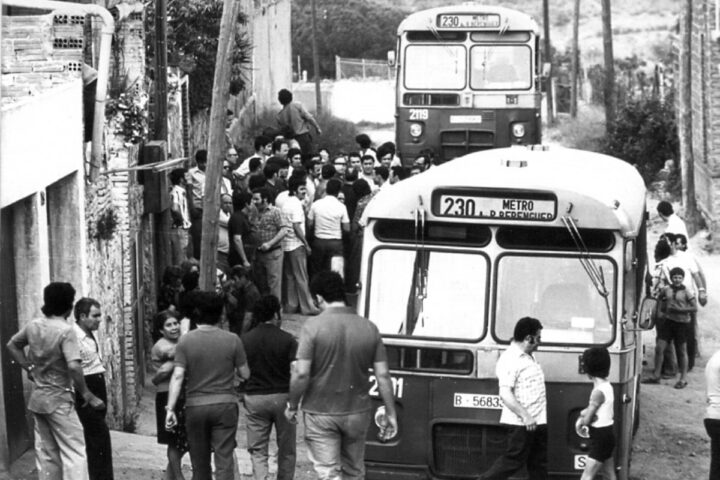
(500,67)
(428,293)
(435,66)
(559,293)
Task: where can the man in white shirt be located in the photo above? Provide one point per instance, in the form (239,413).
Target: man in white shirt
(675,224)
(368,171)
(295,250)
(180,213)
(223,246)
(328,219)
(263,146)
(97,435)
(524,411)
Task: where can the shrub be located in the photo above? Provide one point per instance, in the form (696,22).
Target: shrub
(338,134)
(645,135)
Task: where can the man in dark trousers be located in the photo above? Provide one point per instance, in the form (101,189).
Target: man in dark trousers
(97,435)
(337,349)
(270,351)
(208,359)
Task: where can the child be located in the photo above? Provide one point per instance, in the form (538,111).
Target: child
(597,418)
(677,303)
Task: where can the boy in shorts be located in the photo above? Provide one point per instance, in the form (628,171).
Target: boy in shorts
(596,420)
(677,304)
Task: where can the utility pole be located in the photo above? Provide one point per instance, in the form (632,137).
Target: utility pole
(548,55)
(687,162)
(316,60)
(609,87)
(216,145)
(575,61)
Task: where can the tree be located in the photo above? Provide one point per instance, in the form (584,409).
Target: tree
(609,90)
(193,31)
(352,28)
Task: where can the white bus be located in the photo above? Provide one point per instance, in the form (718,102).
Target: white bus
(453,257)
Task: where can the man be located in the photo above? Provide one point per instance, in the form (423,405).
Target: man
(270,171)
(97,435)
(295,121)
(355,162)
(296,250)
(197,193)
(368,171)
(231,156)
(382,176)
(263,146)
(295,158)
(180,213)
(340,164)
(280,148)
(283,167)
(675,224)
(208,359)
(331,378)
(270,351)
(328,219)
(365,144)
(269,256)
(241,296)
(327,172)
(522,390)
(223,245)
(53,364)
(240,232)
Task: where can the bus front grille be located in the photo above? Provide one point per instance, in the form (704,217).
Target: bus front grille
(466,450)
(456,143)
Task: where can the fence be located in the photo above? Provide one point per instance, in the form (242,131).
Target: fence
(362,68)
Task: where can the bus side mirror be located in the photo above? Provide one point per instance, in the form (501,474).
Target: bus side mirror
(649,310)
(391,58)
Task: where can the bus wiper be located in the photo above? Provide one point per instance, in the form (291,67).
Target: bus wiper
(594,272)
(418,287)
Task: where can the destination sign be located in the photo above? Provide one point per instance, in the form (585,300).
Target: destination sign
(496,207)
(469,21)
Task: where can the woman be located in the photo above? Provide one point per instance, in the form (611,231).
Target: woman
(163,353)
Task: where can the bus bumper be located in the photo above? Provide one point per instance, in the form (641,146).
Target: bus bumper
(380,471)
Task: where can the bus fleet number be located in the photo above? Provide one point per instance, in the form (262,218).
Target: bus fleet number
(418,114)
(397,386)
(459,207)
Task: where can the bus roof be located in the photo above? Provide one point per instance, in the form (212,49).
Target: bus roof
(601,191)
(510,19)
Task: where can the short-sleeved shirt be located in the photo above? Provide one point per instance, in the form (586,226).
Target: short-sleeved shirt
(178,196)
(328,214)
(342,347)
(239,224)
(197,178)
(210,356)
(269,224)
(677,297)
(292,212)
(270,350)
(90,354)
(520,372)
(52,345)
(294,116)
(676,225)
(687,263)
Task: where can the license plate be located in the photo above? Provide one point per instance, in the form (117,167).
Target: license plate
(474,400)
(580,462)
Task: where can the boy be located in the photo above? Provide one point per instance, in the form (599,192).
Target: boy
(677,303)
(596,421)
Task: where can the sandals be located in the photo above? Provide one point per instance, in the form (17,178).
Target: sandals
(651,380)
(680,384)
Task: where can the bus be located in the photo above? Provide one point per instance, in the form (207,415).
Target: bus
(454,256)
(468,79)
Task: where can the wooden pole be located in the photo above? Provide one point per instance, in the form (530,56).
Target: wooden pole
(687,162)
(316,60)
(548,58)
(609,87)
(216,145)
(575,61)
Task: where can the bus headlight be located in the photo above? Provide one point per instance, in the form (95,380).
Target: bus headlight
(518,130)
(416,129)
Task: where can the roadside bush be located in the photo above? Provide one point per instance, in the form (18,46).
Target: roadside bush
(338,134)
(645,135)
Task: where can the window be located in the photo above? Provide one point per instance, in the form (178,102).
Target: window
(435,66)
(500,67)
(558,292)
(454,285)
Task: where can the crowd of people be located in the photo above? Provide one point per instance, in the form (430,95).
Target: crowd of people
(287,211)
